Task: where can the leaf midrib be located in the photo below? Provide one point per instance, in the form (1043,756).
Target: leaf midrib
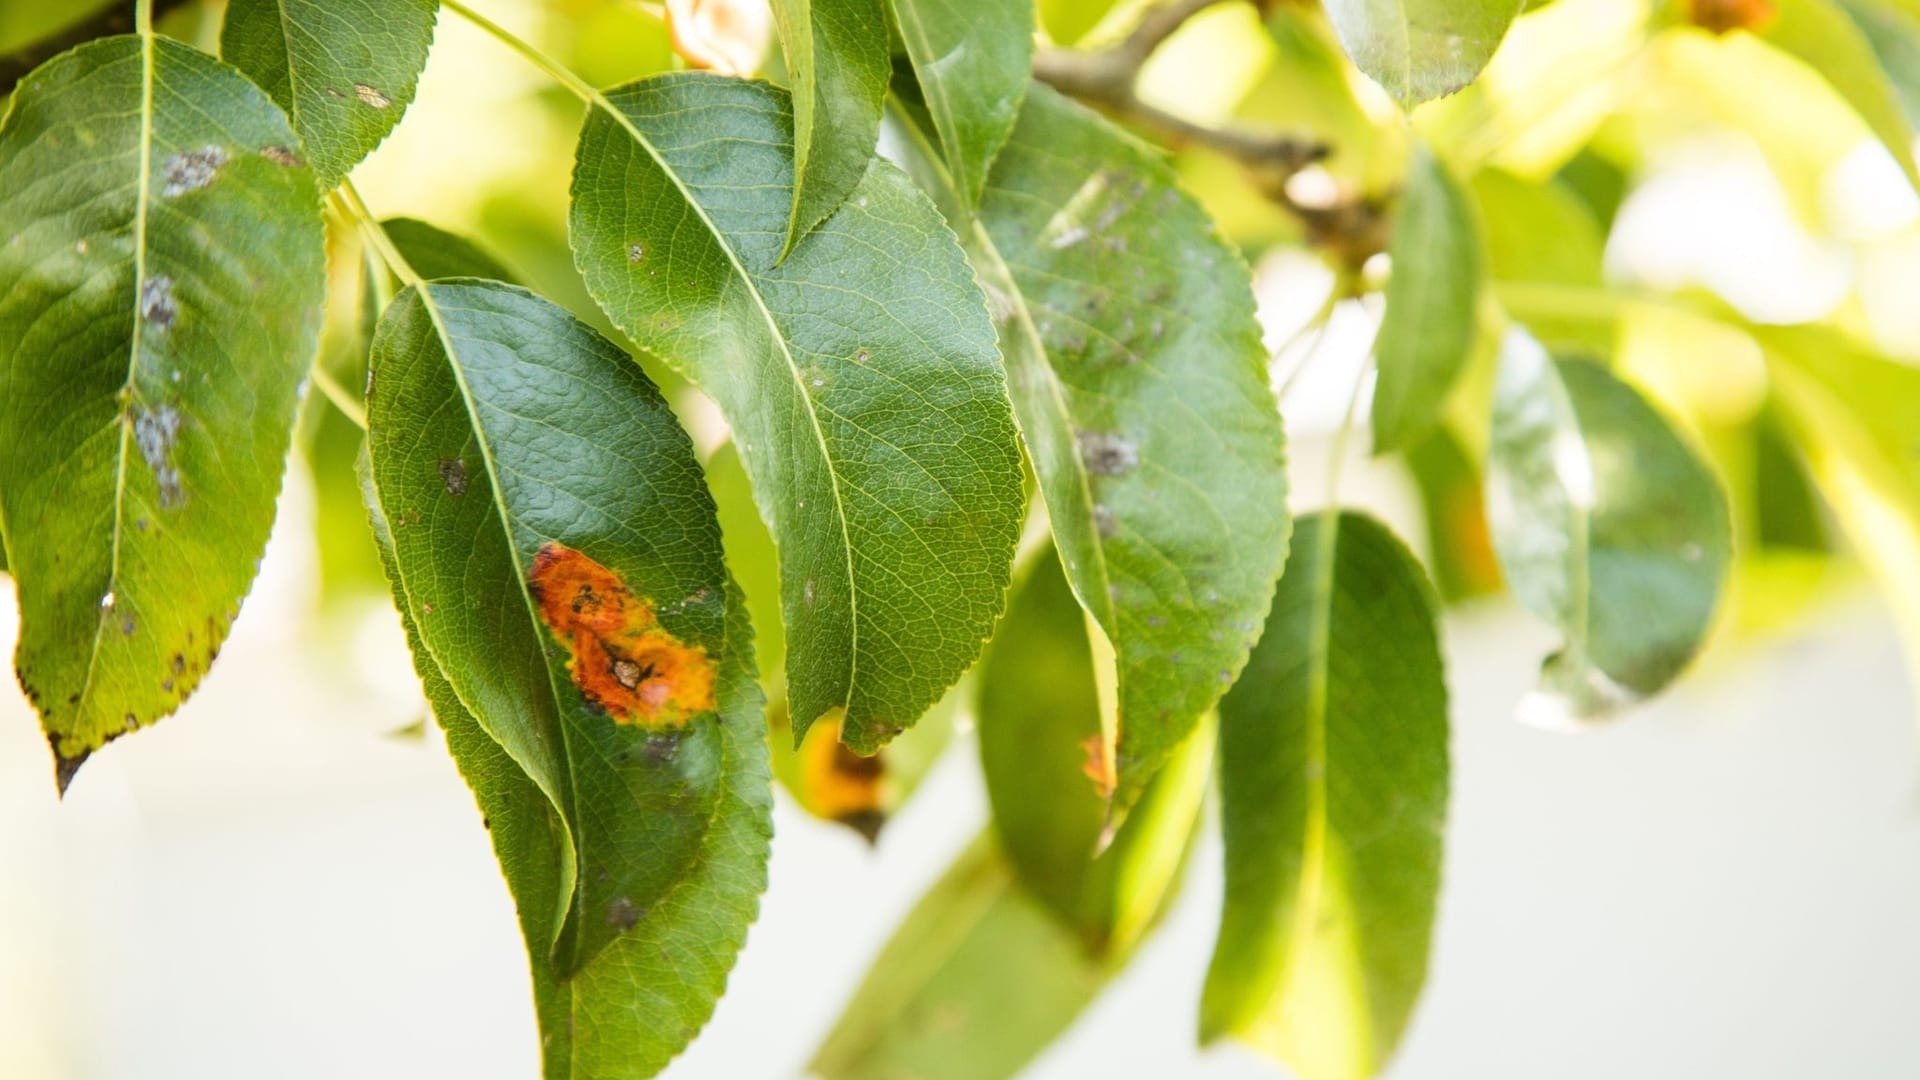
(142,198)
(1030,330)
(600,101)
(1313,858)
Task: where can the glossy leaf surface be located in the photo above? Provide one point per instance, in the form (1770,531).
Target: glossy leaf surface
(556,552)
(971,60)
(160,301)
(1607,525)
(838,66)
(859,376)
(344,70)
(1140,383)
(1419,50)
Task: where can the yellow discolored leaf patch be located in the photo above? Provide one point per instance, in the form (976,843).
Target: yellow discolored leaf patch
(621,658)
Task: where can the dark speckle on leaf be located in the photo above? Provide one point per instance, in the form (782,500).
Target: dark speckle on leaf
(190,170)
(453,474)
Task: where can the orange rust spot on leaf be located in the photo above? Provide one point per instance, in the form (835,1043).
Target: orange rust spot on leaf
(1099,766)
(620,656)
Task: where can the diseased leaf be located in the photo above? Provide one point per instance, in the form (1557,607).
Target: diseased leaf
(557,552)
(1139,379)
(1039,729)
(859,377)
(1427,331)
(971,60)
(161,287)
(1607,525)
(1830,39)
(1418,50)
(838,66)
(1333,786)
(344,70)
(436,253)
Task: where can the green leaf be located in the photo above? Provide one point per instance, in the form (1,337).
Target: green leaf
(1823,35)
(345,70)
(1852,413)
(976,981)
(558,554)
(1607,525)
(1039,728)
(1140,382)
(838,64)
(1333,789)
(971,59)
(1540,233)
(1427,331)
(1418,50)
(859,376)
(435,253)
(161,284)
(1892,28)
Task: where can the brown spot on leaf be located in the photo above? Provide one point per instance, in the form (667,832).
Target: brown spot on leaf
(370,96)
(281,156)
(453,473)
(619,655)
(623,914)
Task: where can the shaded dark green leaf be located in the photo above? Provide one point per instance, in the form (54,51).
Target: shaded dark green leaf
(161,283)
(345,70)
(1139,378)
(1427,330)
(971,60)
(1333,788)
(838,64)
(557,553)
(436,253)
(859,376)
(1607,525)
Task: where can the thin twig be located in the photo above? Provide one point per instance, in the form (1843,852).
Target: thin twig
(115,19)
(1107,79)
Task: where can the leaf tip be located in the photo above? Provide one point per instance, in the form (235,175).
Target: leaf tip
(64,768)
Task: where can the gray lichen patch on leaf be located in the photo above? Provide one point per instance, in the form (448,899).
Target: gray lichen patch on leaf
(453,475)
(157,305)
(1107,454)
(154,432)
(191,170)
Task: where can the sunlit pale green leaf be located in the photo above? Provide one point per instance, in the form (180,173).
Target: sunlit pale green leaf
(1427,330)
(161,282)
(859,376)
(1822,35)
(1853,414)
(971,60)
(977,980)
(1140,382)
(1419,50)
(1892,28)
(344,70)
(1333,786)
(1039,729)
(1607,525)
(556,551)
(1004,952)
(1541,236)
(838,66)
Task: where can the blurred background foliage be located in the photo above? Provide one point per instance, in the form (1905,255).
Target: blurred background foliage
(1714,197)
